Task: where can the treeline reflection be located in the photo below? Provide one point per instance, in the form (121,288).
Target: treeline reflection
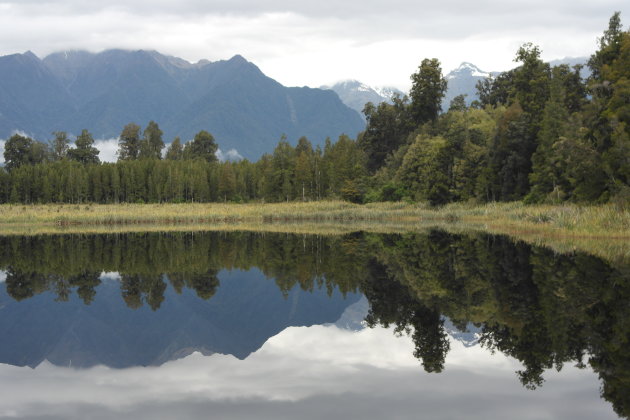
(542,308)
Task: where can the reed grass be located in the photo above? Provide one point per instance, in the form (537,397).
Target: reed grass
(601,220)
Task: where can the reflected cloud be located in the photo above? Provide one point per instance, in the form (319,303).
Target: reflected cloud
(304,372)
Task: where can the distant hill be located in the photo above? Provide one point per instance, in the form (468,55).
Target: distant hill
(233,99)
(356,94)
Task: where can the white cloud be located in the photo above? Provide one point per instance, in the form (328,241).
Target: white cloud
(2,152)
(231,155)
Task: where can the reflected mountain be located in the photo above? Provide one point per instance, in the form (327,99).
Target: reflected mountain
(246,310)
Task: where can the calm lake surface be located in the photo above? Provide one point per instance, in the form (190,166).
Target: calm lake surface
(276,326)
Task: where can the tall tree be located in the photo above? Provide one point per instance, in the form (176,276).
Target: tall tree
(388,126)
(59,146)
(21,150)
(427,90)
(175,150)
(129,142)
(203,147)
(151,144)
(84,152)
(609,46)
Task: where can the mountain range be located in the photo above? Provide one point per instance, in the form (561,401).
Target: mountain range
(244,109)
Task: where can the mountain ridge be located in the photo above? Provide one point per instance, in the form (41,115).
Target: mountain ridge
(233,99)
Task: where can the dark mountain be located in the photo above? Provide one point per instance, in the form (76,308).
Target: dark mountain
(233,99)
(245,312)
(31,96)
(356,94)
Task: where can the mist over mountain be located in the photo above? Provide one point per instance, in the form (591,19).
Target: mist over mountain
(244,109)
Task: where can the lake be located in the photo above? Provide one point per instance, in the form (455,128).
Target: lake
(236,325)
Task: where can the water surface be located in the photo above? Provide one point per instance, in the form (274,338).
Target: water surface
(242,325)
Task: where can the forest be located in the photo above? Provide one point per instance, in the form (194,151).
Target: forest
(537,133)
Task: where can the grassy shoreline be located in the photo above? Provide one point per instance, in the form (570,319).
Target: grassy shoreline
(603,230)
(559,220)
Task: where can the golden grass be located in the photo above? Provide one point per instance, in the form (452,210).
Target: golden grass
(603,230)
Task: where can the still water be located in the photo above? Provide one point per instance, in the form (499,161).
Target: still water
(258,325)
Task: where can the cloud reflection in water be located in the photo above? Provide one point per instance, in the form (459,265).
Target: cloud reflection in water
(306,373)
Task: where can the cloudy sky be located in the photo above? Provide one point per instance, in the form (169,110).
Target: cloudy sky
(314,42)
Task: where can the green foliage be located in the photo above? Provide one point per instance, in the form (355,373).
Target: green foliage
(151,144)
(388,126)
(84,152)
(59,146)
(426,170)
(175,150)
(202,147)
(427,90)
(129,142)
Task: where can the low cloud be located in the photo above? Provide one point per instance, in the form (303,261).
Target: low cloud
(107,149)
(314,43)
(232,155)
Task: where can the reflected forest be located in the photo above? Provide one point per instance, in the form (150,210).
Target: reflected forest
(542,308)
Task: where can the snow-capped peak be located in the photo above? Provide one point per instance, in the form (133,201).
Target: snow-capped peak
(468,68)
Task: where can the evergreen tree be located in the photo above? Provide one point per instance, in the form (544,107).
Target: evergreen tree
(388,126)
(20,150)
(427,90)
(129,142)
(175,151)
(59,146)
(203,147)
(151,144)
(84,152)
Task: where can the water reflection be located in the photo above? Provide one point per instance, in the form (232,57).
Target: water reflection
(540,308)
(305,373)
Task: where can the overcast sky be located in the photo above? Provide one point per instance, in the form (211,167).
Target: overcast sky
(315,42)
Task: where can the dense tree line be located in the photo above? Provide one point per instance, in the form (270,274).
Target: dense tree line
(188,173)
(538,133)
